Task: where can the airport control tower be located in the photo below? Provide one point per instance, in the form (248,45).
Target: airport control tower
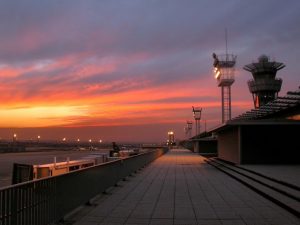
(264,87)
(224,66)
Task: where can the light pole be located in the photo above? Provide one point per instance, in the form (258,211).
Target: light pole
(78,140)
(14,140)
(90,141)
(171,139)
(197,116)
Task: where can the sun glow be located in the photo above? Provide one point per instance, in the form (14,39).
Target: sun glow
(40,116)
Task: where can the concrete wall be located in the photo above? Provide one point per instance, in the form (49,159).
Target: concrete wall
(228,144)
(208,147)
(188,145)
(265,144)
(196,146)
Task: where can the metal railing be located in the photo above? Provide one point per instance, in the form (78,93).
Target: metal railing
(48,200)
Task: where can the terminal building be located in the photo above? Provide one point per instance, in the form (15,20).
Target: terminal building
(267,134)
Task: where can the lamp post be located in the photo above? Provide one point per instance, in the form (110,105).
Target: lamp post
(100,143)
(14,140)
(78,140)
(197,116)
(171,139)
(90,141)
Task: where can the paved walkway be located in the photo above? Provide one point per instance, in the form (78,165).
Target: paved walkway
(180,188)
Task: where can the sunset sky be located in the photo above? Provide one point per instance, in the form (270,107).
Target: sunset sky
(130,70)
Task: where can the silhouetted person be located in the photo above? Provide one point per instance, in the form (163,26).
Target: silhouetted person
(116,149)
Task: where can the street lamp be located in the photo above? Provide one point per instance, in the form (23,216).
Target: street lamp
(78,140)
(14,137)
(197,116)
(90,141)
(171,139)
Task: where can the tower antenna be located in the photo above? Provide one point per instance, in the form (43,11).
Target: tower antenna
(226,41)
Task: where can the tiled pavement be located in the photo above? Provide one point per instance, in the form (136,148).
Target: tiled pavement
(180,188)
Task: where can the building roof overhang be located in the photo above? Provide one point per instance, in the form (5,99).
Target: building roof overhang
(234,123)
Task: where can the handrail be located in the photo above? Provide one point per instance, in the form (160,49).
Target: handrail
(47,200)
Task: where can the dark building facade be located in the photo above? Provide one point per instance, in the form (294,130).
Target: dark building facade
(259,142)
(269,134)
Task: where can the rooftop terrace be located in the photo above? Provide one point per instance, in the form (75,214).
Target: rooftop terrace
(181,188)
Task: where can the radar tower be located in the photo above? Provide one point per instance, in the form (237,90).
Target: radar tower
(264,86)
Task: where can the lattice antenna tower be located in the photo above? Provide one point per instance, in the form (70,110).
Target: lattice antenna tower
(224,68)
(197,116)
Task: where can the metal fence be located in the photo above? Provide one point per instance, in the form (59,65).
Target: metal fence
(47,200)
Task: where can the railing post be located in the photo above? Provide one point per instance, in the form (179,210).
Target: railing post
(14,206)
